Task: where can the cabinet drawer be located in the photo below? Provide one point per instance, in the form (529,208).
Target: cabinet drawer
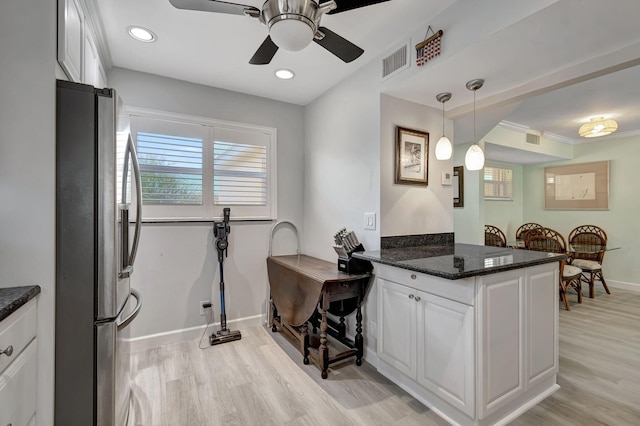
(462,290)
(18,388)
(17,330)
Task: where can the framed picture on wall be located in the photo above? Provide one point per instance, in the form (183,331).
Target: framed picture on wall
(577,187)
(412,156)
(458,186)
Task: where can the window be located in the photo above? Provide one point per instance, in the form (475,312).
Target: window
(191,168)
(498,183)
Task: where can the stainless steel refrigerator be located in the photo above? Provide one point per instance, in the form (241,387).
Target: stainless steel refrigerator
(96,244)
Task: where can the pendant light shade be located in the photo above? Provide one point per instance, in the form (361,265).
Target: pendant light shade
(474,159)
(444,149)
(598,126)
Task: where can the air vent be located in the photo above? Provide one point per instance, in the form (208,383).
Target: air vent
(533,139)
(395,62)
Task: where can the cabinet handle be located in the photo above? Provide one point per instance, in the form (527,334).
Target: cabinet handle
(417,298)
(413,276)
(411,296)
(7,351)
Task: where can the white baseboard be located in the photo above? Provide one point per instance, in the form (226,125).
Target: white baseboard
(151,341)
(623,285)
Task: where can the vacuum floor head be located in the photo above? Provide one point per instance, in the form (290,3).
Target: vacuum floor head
(224,336)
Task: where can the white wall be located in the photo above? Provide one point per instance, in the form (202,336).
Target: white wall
(507,214)
(342,173)
(27,168)
(413,209)
(469,219)
(177,264)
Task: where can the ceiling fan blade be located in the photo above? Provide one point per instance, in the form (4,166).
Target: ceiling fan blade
(339,46)
(265,52)
(216,6)
(344,5)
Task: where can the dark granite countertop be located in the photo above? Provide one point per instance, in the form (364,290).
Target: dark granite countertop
(12,298)
(455,261)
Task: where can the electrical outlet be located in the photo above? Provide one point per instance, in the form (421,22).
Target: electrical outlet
(204,305)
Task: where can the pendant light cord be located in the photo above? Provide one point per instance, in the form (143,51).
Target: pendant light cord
(442,118)
(474,116)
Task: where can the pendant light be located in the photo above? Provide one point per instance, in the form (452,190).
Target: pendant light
(443,146)
(474,159)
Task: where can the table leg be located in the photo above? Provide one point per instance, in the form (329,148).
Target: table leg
(274,315)
(359,339)
(324,350)
(305,343)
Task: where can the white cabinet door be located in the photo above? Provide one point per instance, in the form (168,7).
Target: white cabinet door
(70,38)
(446,350)
(542,322)
(397,326)
(91,61)
(501,340)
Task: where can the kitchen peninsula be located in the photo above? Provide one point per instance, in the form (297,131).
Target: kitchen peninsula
(471,331)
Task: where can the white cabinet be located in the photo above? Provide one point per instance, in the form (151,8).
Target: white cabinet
(18,366)
(478,351)
(445,350)
(397,340)
(78,54)
(70,38)
(430,339)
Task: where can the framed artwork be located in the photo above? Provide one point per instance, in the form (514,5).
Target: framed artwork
(458,186)
(412,156)
(577,187)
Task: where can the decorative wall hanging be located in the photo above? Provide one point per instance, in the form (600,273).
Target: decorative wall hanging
(458,186)
(577,187)
(429,48)
(412,156)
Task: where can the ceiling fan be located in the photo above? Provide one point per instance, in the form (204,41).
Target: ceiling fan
(292,24)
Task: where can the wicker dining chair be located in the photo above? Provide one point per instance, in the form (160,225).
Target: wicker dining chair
(552,241)
(589,263)
(493,236)
(526,227)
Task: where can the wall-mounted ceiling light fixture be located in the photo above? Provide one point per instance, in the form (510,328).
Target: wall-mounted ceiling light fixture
(474,159)
(142,34)
(285,74)
(444,149)
(598,126)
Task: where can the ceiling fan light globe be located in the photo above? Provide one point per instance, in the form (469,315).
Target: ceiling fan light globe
(443,148)
(474,158)
(291,34)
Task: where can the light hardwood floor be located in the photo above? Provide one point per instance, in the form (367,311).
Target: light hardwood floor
(260,380)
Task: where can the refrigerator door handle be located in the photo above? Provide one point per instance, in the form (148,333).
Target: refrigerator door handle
(121,324)
(138,181)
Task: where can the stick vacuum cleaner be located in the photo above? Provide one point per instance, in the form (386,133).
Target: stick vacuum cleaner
(221,232)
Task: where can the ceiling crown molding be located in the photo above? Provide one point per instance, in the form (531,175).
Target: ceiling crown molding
(513,126)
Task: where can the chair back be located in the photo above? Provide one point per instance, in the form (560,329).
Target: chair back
(545,243)
(589,235)
(526,227)
(493,236)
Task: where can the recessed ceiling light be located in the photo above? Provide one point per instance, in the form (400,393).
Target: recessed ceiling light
(142,34)
(285,74)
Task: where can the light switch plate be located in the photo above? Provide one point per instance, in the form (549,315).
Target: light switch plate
(370,221)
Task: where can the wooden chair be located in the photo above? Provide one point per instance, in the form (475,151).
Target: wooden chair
(589,263)
(493,236)
(526,227)
(552,241)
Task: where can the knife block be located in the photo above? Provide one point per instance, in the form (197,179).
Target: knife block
(351,265)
